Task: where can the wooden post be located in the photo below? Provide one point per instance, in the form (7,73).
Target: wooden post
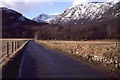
(116,44)
(7,49)
(20,43)
(12,47)
(15,45)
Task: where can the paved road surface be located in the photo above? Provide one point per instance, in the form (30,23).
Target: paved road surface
(40,62)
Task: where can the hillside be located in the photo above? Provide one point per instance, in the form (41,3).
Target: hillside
(14,24)
(86,13)
(86,21)
(45,18)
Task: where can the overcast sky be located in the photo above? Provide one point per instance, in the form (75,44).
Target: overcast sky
(32,8)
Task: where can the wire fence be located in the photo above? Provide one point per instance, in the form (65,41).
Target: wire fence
(10,47)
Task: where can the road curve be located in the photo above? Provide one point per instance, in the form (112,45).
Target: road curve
(40,62)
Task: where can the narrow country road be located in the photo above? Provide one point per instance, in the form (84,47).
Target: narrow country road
(40,62)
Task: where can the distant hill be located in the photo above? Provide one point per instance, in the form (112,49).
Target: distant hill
(14,24)
(45,18)
(11,17)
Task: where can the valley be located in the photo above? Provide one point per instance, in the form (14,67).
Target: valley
(83,41)
(81,22)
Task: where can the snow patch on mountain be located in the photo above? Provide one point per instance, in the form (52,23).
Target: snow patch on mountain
(88,11)
(45,18)
(113,1)
(8,10)
(21,18)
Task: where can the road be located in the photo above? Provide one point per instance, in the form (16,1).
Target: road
(40,62)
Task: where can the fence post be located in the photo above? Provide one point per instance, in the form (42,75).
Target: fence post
(15,45)
(12,47)
(20,43)
(116,44)
(7,49)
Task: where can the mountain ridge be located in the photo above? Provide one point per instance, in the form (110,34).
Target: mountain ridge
(77,28)
(83,13)
(44,18)
(12,17)
(15,25)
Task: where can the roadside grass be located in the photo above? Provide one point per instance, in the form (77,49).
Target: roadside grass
(104,54)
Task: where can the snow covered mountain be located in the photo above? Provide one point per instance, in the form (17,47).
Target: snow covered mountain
(15,25)
(14,18)
(83,13)
(11,16)
(113,12)
(45,18)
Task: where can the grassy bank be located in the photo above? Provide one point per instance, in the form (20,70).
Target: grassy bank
(102,54)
